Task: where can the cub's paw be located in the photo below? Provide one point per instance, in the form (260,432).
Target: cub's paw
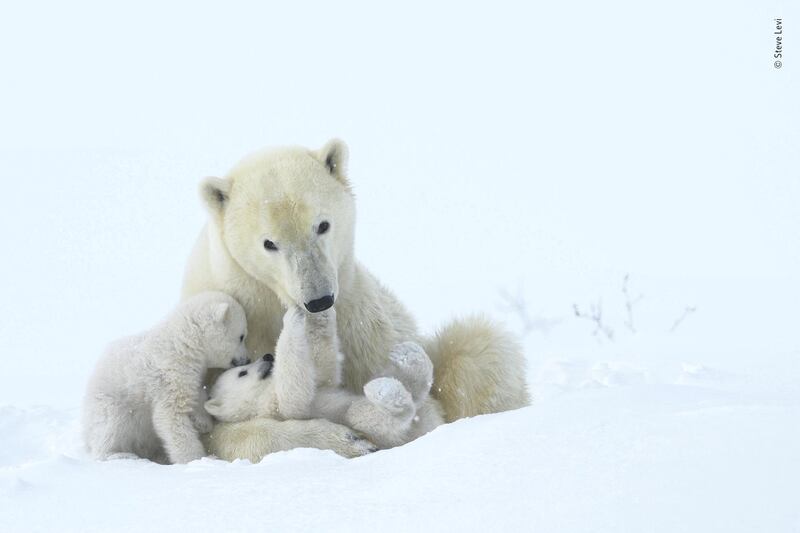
(360,444)
(412,366)
(389,394)
(202,421)
(186,454)
(350,444)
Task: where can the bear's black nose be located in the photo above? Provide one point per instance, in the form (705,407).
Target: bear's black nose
(268,357)
(320,304)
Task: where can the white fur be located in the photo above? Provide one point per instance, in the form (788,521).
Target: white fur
(283,196)
(254,438)
(145,396)
(385,414)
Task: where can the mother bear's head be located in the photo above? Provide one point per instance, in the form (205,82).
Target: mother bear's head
(287,218)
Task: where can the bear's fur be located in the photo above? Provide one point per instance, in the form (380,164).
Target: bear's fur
(284,386)
(280,234)
(146,394)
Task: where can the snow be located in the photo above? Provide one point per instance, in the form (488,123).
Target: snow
(699,456)
(517,160)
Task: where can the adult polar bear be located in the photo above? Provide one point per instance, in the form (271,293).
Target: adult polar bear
(280,233)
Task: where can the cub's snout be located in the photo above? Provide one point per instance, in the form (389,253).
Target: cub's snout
(240,361)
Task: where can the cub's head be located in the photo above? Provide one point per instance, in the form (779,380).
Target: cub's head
(220,324)
(240,393)
(286,217)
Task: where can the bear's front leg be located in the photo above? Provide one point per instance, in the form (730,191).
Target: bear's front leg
(177,433)
(323,340)
(293,373)
(202,421)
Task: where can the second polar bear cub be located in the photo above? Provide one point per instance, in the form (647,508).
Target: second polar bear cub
(302,381)
(146,394)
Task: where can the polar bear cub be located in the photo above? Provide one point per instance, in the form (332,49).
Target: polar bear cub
(302,381)
(146,395)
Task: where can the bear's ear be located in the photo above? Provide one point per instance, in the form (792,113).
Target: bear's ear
(213,406)
(216,194)
(219,311)
(334,156)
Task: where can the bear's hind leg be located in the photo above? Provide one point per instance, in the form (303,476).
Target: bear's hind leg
(253,439)
(384,414)
(411,365)
(108,429)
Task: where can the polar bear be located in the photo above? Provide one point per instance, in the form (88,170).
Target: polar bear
(386,414)
(280,234)
(146,394)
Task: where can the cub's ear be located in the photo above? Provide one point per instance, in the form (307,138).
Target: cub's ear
(334,156)
(213,406)
(215,193)
(219,311)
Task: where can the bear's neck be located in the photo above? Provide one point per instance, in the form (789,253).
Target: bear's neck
(347,274)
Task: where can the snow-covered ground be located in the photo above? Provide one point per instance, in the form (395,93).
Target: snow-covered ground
(637,163)
(611,452)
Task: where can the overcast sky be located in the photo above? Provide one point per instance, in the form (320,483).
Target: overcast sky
(546,149)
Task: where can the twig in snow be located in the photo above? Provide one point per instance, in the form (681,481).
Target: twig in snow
(678,321)
(629,303)
(595,315)
(516,305)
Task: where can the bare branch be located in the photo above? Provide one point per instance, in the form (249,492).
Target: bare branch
(595,315)
(515,303)
(629,303)
(678,321)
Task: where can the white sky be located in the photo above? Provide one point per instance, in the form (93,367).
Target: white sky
(551,147)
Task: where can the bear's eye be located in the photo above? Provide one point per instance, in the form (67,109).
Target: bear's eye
(323,227)
(241,337)
(269,245)
(242,373)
